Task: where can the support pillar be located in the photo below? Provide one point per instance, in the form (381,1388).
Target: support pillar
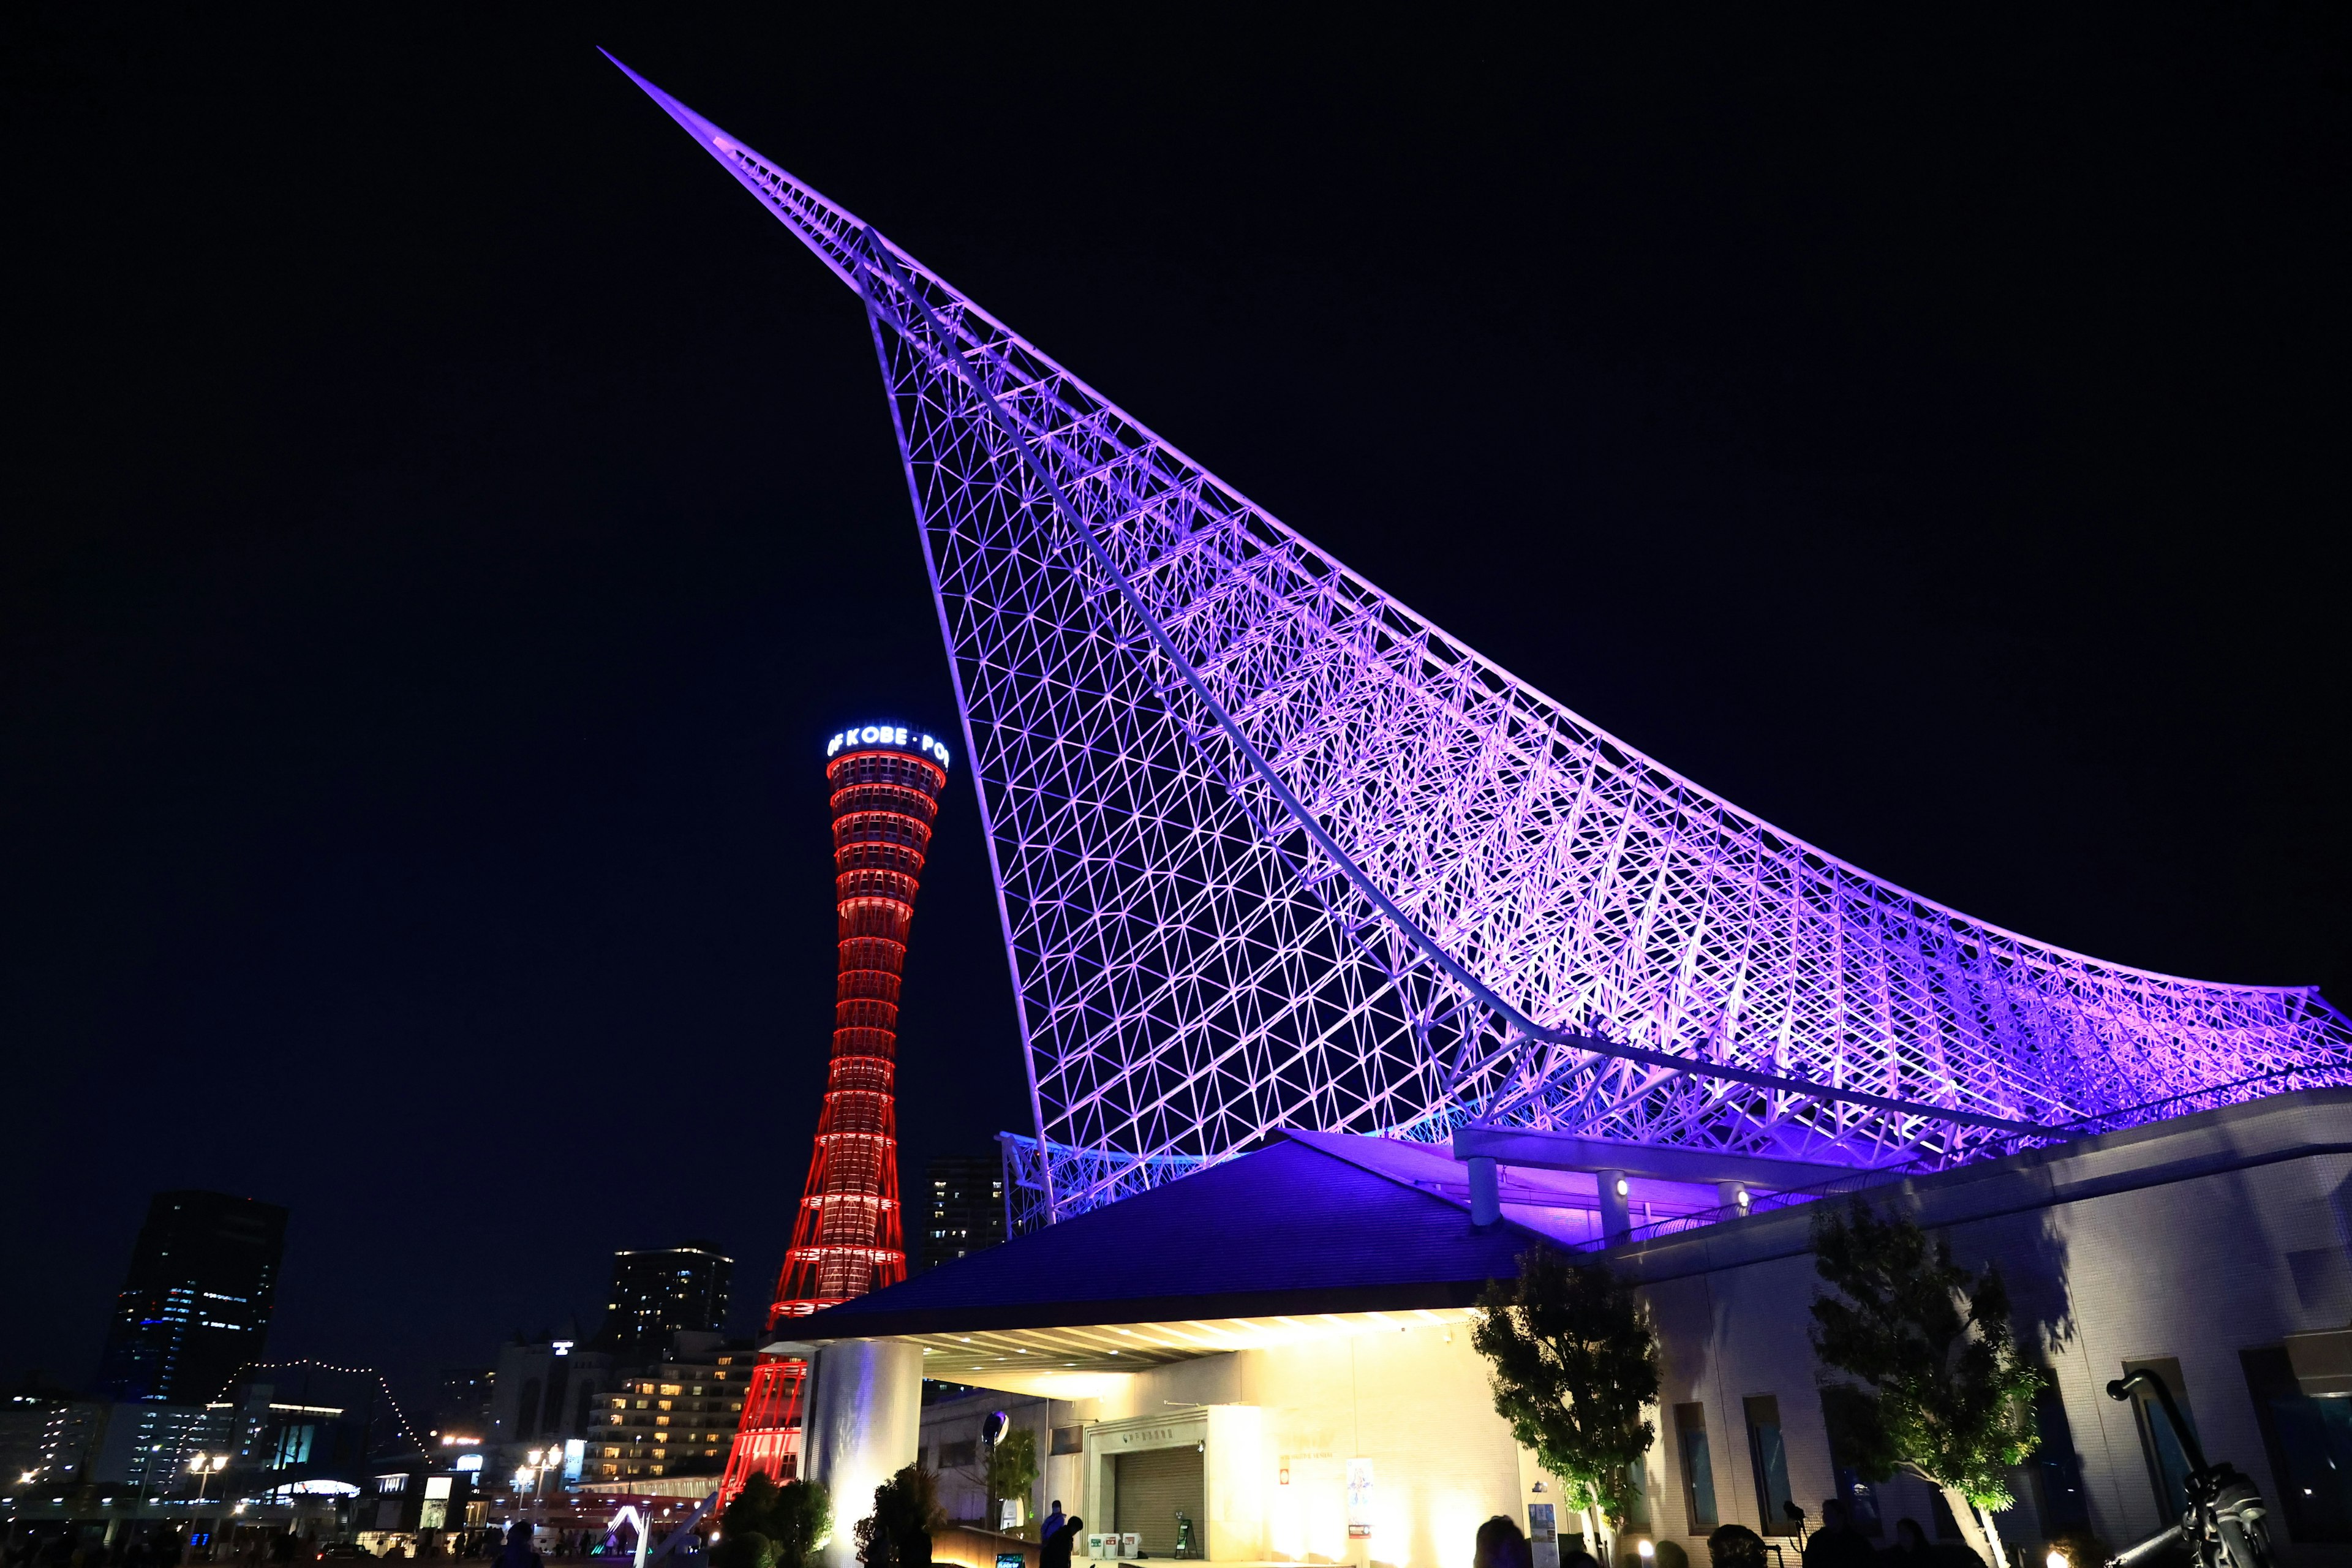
(1733,1195)
(862,1424)
(1485,1193)
(1616,1213)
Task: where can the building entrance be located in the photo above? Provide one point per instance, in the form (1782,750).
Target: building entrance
(1151,1486)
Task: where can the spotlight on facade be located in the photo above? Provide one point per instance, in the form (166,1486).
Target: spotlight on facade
(1645,1548)
(1624,1187)
(2056,1559)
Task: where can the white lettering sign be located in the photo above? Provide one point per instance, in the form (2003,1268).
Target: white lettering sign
(890,735)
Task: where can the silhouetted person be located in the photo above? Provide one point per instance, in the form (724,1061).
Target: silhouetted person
(1052,1522)
(518,1552)
(1055,1552)
(1910,1547)
(1500,1545)
(1837,1544)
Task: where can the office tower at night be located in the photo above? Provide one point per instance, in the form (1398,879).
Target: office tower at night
(195,1305)
(885,781)
(657,1293)
(963,1207)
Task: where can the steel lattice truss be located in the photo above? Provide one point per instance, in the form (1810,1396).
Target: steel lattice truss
(1273,851)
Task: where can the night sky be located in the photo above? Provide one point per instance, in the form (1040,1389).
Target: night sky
(446,518)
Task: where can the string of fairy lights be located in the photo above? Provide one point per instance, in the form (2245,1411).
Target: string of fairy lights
(398,1413)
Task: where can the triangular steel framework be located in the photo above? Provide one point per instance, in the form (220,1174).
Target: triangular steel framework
(1272,850)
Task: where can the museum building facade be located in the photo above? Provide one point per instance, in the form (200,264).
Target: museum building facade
(1279,1347)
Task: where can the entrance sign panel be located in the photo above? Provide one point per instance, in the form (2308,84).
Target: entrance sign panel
(1543,1535)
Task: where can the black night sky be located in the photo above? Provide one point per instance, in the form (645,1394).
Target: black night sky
(446,517)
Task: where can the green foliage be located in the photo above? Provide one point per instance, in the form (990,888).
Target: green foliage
(1734,1546)
(898,1533)
(742,1548)
(782,1527)
(1012,1468)
(1937,1384)
(1573,1361)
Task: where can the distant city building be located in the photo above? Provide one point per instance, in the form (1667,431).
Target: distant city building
(130,1449)
(301,1419)
(146,1446)
(461,1402)
(406,1498)
(663,1292)
(545,1394)
(195,1305)
(45,1438)
(963,1207)
(677,1418)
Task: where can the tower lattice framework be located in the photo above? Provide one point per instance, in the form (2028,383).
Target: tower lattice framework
(847,1237)
(1273,851)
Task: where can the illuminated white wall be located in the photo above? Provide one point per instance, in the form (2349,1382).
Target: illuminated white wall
(1282,1423)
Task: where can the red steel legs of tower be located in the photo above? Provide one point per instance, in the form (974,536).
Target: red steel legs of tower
(846,1238)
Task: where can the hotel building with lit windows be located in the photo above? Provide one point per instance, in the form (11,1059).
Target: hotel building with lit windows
(677,1418)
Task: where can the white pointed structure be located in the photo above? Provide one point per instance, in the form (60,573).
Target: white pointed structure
(1273,851)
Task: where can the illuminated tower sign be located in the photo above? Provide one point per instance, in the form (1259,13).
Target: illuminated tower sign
(846,1239)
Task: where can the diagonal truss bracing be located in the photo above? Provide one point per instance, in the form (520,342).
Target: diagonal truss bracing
(1273,851)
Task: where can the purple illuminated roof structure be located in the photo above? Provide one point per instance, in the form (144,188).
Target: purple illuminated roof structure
(1272,850)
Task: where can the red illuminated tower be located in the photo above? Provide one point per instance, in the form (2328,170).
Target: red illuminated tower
(886,781)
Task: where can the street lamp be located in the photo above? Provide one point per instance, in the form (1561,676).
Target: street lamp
(205,1467)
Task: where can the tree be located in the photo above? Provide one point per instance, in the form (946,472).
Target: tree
(1012,1468)
(1574,1362)
(769,1526)
(898,1533)
(1934,1383)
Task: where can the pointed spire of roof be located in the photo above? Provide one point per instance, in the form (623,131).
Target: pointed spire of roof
(822,225)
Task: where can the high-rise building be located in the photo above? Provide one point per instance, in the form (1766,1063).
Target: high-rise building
(195,1305)
(657,1294)
(963,1207)
(886,781)
(547,1392)
(461,1402)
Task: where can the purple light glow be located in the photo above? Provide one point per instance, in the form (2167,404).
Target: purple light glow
(1272,850)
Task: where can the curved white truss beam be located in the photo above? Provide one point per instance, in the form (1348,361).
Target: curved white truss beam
(1273,851)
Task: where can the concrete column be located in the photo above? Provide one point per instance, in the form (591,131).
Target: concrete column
(1485,1193)
(1733,1195)
(1616,1214)
(1233,1485)
(863,1423)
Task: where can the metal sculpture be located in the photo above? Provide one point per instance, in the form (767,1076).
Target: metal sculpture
(847,1238)
(1273,851)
